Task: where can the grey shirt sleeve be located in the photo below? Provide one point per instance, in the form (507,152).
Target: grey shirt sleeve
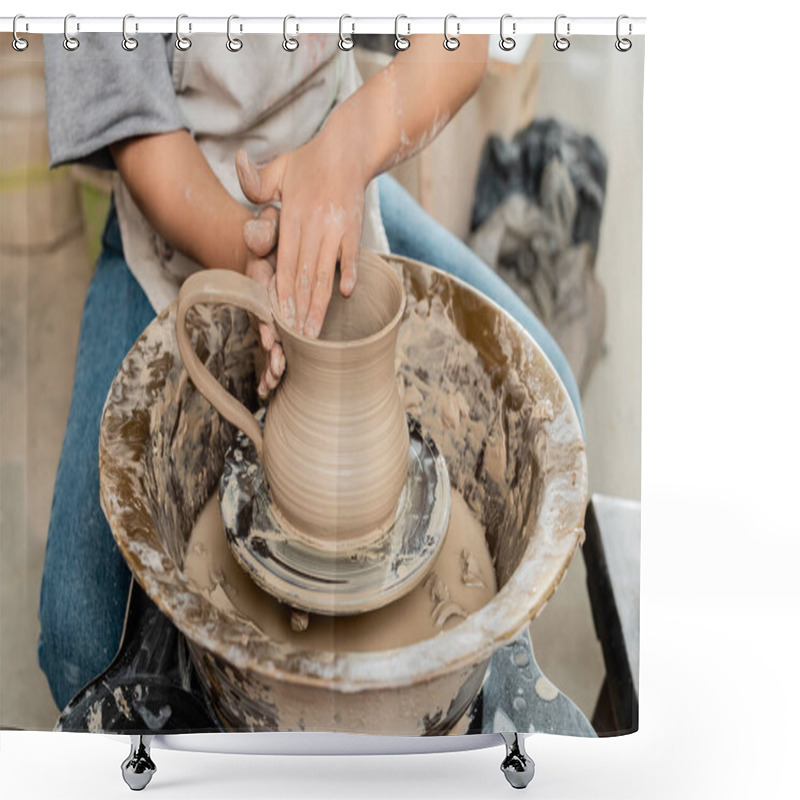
(100,94)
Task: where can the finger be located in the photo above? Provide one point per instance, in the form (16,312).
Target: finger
(277,364)
(260,270)
(267,336)
(259,185)
(306,273)
(263,388)
(270,214)
(271,381)
(288,248)
(261,234)
(273,371)
(349,262)
(323,285)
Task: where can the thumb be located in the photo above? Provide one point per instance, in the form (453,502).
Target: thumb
(258,185)
(261,233)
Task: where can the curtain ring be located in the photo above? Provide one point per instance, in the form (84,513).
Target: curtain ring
(561,43)
(400,42)
(290,43)
(507,42)
(623,44)
(451,42)
(233,44)
(182,43)
(18,43)
(70,42)
(129,43)
(345,42)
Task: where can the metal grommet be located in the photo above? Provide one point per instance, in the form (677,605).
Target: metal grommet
(345,42)
(623,44)
(182,43)
(18,43)
(70,42)
(129,43)
(451,42)
(561,43)
(233,44)
(290,43)
(400,42)
(507,42)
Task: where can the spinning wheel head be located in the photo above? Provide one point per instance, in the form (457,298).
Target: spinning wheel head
(349,577)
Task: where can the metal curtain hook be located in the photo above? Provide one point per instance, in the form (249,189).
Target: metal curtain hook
(561,43)
(129,43)
(507,42)
(623,44)
(345,42)
(400,42)
(451,42)
(182,42)
(233,44)
(290,43)
(70,42)
(18,43)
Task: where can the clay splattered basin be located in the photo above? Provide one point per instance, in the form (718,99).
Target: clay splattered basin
(512,441)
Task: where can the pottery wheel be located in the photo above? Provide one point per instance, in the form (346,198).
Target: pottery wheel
(286,564)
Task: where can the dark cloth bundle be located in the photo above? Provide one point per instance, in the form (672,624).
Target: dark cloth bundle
(536,219)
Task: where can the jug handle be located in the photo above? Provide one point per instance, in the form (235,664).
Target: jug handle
(221,286)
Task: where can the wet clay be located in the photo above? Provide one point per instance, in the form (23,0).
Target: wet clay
(335,437)
(514,451)
(461,582)
(335,441)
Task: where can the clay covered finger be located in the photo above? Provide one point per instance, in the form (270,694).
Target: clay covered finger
(286,269)
(258,185)
(261,234)
(323,286)
(260,270)
(277,364)
(348,263)
(266,336)
(305,277)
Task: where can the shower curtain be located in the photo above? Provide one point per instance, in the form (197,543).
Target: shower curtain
(500,178)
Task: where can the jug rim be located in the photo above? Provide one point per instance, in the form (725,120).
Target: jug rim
(367,256)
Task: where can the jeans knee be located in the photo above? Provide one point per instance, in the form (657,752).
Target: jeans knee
(74,647)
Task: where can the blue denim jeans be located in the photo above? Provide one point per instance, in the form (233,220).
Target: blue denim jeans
(85,579)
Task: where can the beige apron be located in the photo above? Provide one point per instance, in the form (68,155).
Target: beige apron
(261,98)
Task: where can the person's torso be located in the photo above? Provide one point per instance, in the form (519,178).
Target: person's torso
(261,98)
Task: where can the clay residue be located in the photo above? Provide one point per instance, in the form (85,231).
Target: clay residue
(471,570)
(495,457)
(94,718)
(444,609)
(162,449)
(440,602)
(121,702)
(487,422)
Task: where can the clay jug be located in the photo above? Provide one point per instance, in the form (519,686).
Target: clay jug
(335,443)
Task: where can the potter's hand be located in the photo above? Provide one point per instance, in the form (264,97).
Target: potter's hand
(260,236)
(321,189)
